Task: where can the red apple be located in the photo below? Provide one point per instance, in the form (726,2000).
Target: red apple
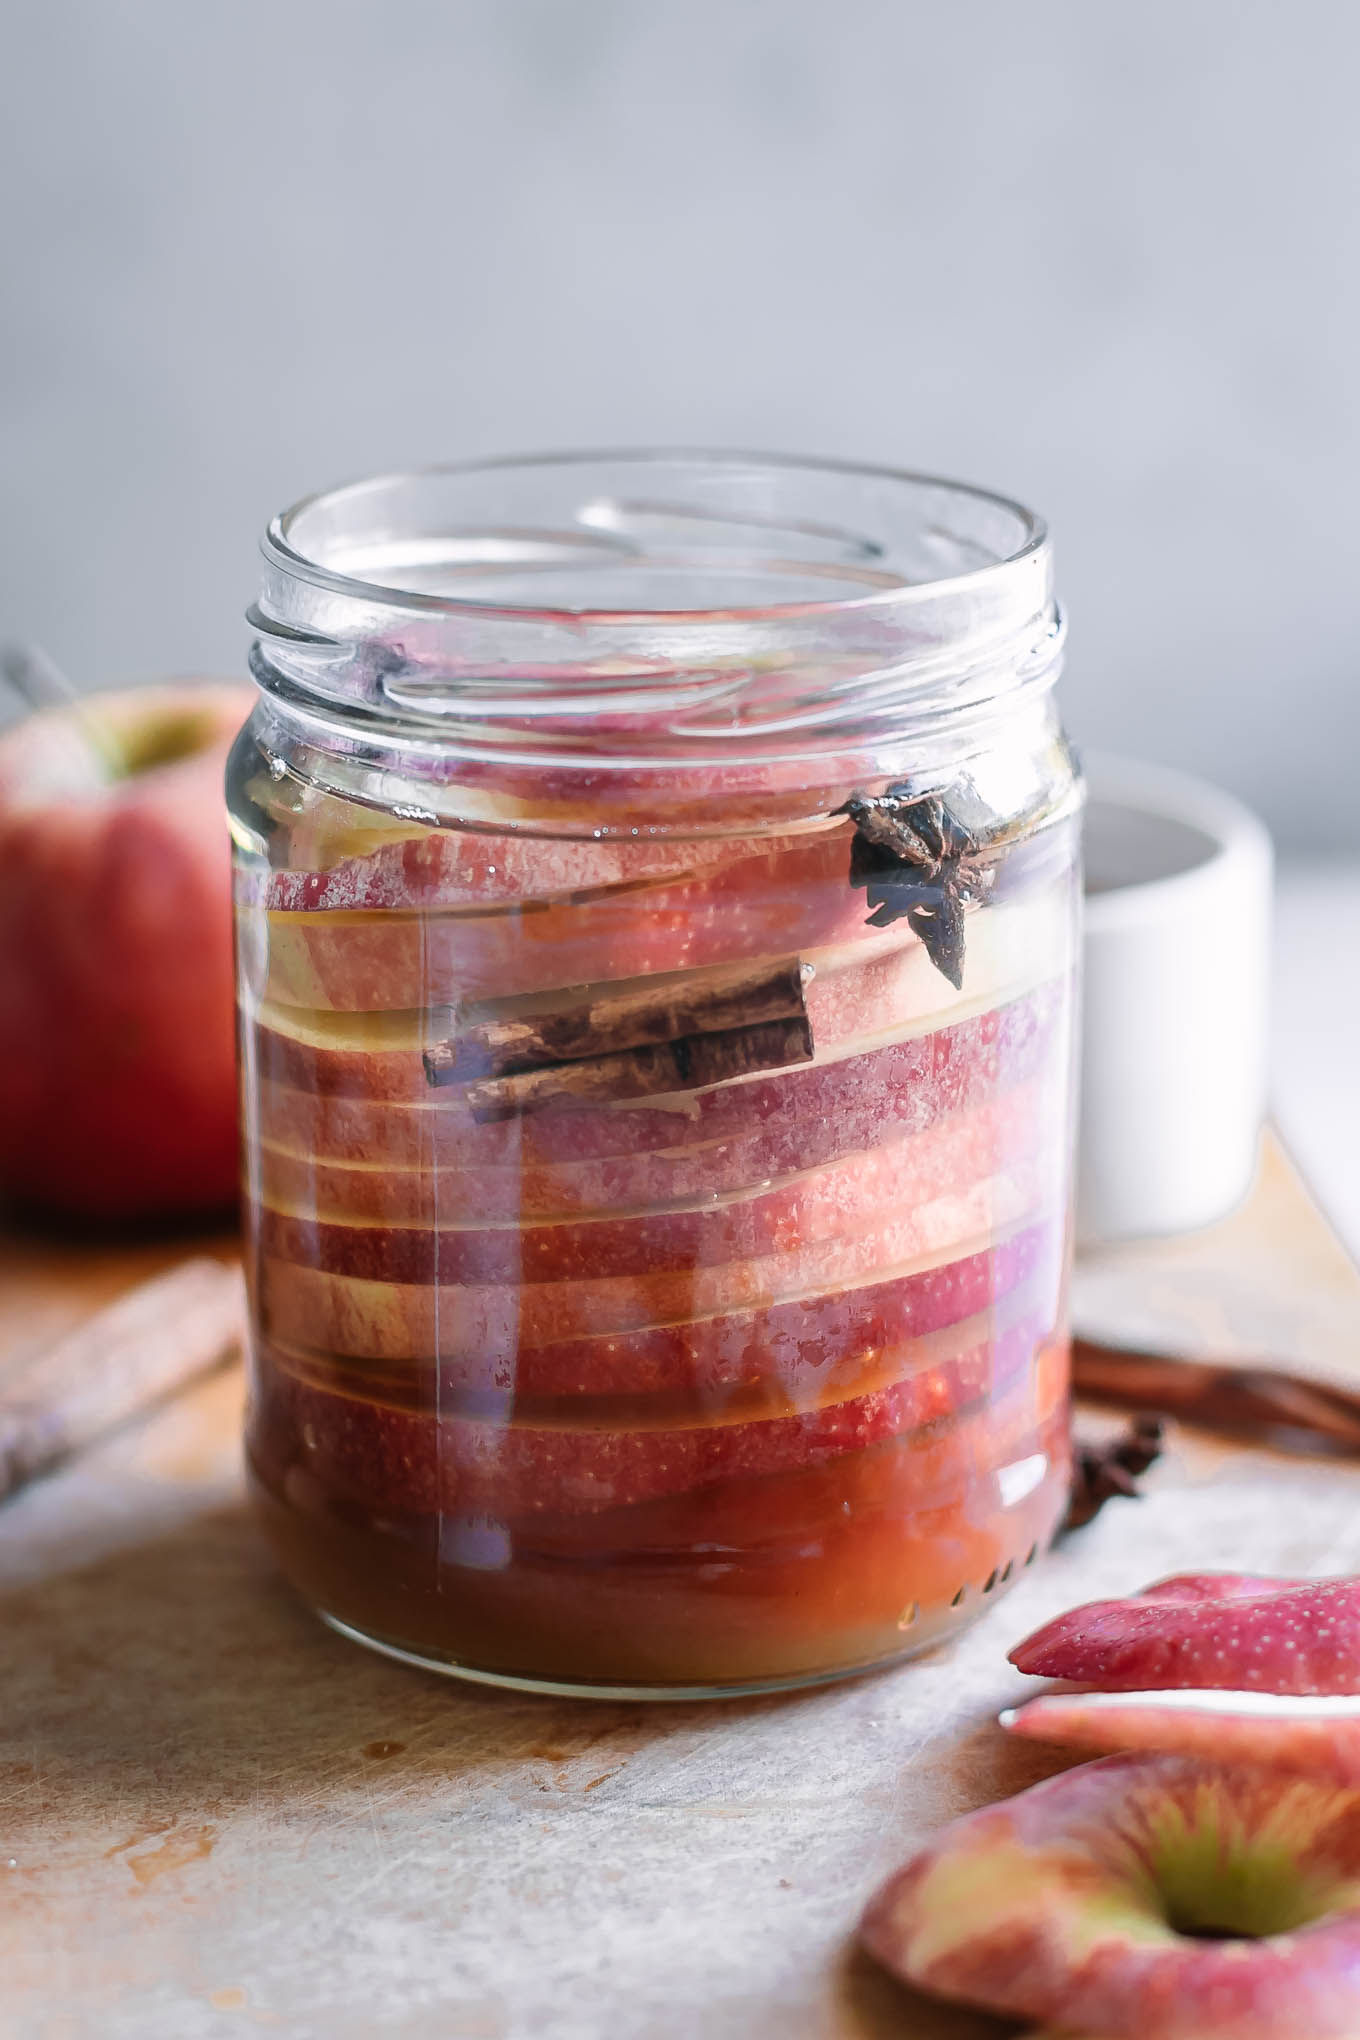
(1142,1897)
(1217,1630)
(1290,1732)
(117,1046)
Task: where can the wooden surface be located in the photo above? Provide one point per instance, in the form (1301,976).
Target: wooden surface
(220,1819)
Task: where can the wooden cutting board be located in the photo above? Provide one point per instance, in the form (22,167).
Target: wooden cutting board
(217,1818)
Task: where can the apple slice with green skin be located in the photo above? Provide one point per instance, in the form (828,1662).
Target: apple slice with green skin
(1317,1734)
(1228,1631)
(1142,1896)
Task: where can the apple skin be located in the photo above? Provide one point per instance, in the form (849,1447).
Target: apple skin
(368,1309)
(117,1014)
(345,860)
(391,1460)
(557,1162)
(1231,1631)
(354,1100)
(804,1342)
(1059,1905)
(1316,1735)
(328,956)
(416,1231)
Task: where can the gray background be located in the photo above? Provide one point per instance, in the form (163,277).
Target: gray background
(1103,257)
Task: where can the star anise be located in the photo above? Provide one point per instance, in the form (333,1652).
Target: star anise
(1100,1473)
(914,857)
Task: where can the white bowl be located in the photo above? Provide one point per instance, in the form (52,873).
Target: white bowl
(1174,1031)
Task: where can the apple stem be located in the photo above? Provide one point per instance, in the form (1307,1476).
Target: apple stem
(40,683)
(36,677)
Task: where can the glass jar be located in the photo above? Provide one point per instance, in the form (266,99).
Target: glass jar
(657,904)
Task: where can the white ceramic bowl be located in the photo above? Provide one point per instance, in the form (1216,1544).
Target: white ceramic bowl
(1174,1032)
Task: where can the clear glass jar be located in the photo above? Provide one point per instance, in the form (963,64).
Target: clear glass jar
(657,904)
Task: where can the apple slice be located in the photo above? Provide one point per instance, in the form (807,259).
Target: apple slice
(361,858)
(1142,1898)
(392,955)
(386,1458)
(591,1381)
(366,968)
(376,1059)
(330,1291)
(419,1227)
(803,1342)
(1228,1631)
(1312,1733)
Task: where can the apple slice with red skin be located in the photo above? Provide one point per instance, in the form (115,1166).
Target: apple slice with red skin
(117,1011)
(803,1341)
(399,866)
(374,1103)
(388,1458)
(1311,1733)
(412,1238)
(1142,1896)
(861,1002)
(362,1305)
(591,1381)
(764,904)
(634,1158)
(1229,1631)
(369,936)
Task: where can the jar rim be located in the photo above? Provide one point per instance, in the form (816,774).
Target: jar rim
(280,547)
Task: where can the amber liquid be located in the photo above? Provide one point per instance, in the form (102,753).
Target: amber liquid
(713,1390)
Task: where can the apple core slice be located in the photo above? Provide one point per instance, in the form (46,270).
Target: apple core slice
(1232,1631)
(1317,1734)
(1142,1896)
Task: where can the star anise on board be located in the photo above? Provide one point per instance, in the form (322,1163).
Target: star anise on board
(914,857)
(1100,1473)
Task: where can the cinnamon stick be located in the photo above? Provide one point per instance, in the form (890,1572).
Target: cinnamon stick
(136,1352)
(688,1064)
(493,1039)
(1251,1398)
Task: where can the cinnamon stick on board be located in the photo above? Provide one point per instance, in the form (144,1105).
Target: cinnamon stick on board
(1255,1399)
(136,1352)
(684,1065)
(495,1038)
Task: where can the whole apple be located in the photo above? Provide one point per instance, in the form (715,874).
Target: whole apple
(117,1033)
